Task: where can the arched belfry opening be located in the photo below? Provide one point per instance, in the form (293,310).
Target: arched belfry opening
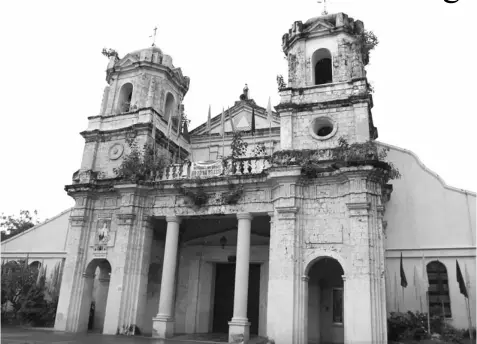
(169,107)
(321,62)
(125,97)
(325,302)
(96,287)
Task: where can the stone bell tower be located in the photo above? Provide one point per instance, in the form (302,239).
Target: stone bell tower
(328,94)
(334,215)
(144,90)
(110,224)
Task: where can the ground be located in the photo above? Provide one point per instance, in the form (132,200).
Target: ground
(27,336)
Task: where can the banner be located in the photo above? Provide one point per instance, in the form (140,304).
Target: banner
(206,169)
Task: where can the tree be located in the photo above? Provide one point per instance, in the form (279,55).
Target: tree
(12,225)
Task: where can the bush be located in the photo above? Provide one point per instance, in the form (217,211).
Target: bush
(407,326)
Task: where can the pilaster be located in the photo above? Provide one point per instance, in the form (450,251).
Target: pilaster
(131,256)
(73,283)
(280,319)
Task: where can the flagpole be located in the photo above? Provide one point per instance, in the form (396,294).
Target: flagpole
(428,314)
(469,313)
(209,144)
(396,298)
(223,132)
(270,138)
(470,318)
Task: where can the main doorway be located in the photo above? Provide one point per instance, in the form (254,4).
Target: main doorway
(224,297)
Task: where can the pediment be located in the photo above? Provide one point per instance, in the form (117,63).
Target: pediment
(127,61)
(241,115)
(320,25)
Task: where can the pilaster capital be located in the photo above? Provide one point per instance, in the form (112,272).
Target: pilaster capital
(78,221)
(305,278)
(173,218)
(271,214)
(358,208)
(126,219)
(244,216)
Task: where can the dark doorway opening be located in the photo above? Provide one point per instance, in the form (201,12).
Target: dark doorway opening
(224,297)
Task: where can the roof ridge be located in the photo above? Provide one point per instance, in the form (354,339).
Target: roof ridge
(36,226)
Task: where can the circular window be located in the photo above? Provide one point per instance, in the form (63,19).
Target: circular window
(322,128)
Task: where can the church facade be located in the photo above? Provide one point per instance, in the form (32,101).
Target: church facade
(301,237)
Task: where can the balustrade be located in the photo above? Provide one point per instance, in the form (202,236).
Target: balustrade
(231,167)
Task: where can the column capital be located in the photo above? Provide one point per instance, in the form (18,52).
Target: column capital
(271,213)
(305,278)
(244,216)
(173,218)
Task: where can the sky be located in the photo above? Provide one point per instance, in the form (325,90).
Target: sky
(423,72)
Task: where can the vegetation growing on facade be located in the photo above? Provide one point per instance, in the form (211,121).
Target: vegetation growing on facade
(313,161)
(141,163)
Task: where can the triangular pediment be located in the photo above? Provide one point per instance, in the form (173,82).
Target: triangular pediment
(127,60)
(320,25)
(241,115)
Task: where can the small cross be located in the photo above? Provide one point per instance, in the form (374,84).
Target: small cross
(153,36)
(325,12)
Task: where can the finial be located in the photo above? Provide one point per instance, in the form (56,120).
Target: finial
(325,12)
(153,36)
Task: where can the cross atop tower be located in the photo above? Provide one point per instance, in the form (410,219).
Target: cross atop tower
(325,12)
(153,36)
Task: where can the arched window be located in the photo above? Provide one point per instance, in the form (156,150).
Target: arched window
(439,300)
(321,62)
(125,96)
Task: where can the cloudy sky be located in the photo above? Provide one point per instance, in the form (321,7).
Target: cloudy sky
(423,72)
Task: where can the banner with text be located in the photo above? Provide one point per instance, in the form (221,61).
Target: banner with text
(206,169)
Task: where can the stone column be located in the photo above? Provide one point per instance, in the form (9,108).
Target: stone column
(239,324)
(163,323)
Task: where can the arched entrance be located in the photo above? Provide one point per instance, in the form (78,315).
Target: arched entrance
(95,296)
(325,302)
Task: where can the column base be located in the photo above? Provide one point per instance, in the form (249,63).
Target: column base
(162,327)
(239,331)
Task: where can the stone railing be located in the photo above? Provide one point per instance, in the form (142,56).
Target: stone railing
(211,169)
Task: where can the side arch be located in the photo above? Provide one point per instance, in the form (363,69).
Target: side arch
(322,254)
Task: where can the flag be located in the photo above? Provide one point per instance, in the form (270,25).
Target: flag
(403,275)
(269,112)
(231,120)
(222,122)
(252,127)
(460,280)
(208,122)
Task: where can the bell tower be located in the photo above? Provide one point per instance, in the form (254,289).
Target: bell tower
(144,91)
(328,95)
